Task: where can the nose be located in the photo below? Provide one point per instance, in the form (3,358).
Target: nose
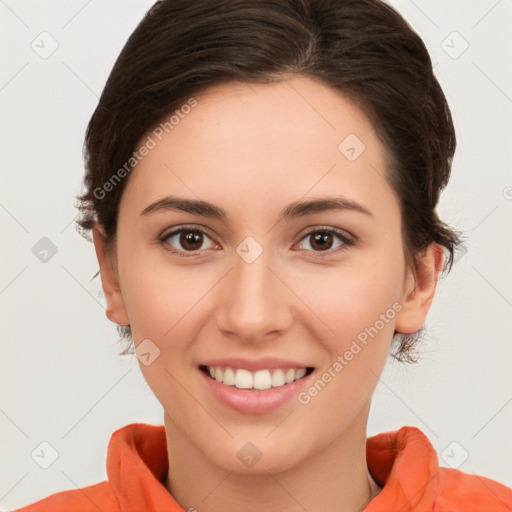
(254,304)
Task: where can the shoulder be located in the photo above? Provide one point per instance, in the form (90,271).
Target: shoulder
(407,464)
(92,498)
(472,493)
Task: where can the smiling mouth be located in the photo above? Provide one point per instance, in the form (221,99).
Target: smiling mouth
(257,381)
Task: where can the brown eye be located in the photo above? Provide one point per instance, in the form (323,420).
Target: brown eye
(328,240)
(191,240)
(187,240)
(321,241)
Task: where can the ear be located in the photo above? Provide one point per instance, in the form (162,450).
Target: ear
(116,311)
(419,290)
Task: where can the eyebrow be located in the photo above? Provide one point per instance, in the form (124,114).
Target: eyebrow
(292,211)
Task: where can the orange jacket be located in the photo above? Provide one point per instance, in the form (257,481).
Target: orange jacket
(404,462)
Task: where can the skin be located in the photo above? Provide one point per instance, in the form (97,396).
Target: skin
(253,150)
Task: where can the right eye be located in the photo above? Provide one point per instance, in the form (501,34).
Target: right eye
(186,241)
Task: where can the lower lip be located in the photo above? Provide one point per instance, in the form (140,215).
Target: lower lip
(251,401)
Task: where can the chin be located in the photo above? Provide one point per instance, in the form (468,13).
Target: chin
(258,457)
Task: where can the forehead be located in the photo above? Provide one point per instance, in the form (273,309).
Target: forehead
(289,111)
(296,137)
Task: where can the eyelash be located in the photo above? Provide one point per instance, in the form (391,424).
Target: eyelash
(346,239)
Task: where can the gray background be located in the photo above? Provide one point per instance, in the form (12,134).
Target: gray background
(62,381)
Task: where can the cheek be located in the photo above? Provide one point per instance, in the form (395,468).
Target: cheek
(353,303)
(362,315)
(162,306)
(157,297)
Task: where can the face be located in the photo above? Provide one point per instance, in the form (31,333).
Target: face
(259,289)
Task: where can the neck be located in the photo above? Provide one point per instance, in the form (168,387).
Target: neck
(334,478)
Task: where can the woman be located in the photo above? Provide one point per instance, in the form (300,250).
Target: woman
(261,187)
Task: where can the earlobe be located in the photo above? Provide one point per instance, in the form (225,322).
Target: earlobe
(116,310)
(419,291)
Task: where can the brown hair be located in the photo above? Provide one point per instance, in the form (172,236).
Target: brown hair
(362,48)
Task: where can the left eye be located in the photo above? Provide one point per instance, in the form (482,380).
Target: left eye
(324,239)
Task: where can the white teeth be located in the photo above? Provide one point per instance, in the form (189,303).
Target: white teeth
(290,376)
(260,380)
(243,379)
(298,373)
(277,378)
(229,377)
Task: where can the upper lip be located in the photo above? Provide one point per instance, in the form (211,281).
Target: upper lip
(253,365)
